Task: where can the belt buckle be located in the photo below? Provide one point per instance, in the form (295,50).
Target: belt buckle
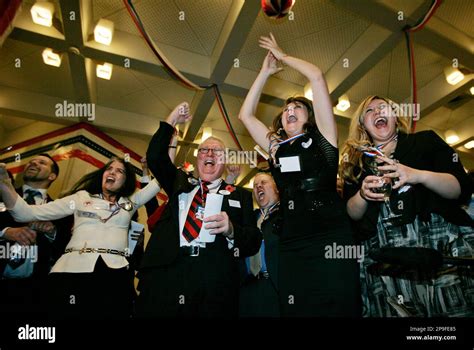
(194,250)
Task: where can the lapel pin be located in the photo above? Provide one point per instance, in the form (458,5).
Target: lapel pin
(307,143)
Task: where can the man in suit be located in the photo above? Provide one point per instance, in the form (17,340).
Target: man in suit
(259,286)
(182,275)
(23,277)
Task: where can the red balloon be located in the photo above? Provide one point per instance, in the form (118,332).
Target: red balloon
(277,8)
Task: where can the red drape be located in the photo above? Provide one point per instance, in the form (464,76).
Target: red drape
(8,11)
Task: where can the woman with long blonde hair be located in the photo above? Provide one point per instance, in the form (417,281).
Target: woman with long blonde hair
(405,190)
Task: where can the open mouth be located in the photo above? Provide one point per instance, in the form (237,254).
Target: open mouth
(32,169)
(380,122)
(260,194)
(209,162)
(110,180)
(291,119)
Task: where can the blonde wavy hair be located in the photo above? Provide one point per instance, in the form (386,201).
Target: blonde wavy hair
(358,136)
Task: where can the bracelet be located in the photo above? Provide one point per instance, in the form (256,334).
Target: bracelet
(171,146)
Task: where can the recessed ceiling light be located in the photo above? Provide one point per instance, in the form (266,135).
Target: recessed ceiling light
(104,31)
(453,75)
(469,145)
(343,103)
(451,137)
(42,13)
(51,58)
(104,71)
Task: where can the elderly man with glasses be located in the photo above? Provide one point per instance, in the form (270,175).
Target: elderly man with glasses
(184,272)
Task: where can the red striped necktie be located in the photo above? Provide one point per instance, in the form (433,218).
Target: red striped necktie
(193,225)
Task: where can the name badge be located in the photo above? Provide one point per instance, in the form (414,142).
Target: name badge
(234,203)
(290,164)
(199,214)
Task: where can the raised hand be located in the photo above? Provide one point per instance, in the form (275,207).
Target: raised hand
(233,172)
(270,65)
(179,115)
(270,44)
(3,173)
(144,166)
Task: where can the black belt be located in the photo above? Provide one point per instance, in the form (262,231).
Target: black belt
(192,250)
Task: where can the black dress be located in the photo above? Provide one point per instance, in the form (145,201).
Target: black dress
(313,281)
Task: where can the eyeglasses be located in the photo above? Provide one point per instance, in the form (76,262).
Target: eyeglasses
(216,151)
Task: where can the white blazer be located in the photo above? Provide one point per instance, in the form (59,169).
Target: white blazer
(88,230)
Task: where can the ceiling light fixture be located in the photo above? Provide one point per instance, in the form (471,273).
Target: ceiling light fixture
(104,31)
(471,90)
(453,75)
(42,13)
(206,133)
(469,145)
(343,103)
(51,57)
(104,71)
(451,137)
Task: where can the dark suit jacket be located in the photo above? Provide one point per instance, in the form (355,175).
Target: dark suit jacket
(259,297)
(48,252)
(163,246)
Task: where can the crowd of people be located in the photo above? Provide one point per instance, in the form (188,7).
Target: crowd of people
(211,255)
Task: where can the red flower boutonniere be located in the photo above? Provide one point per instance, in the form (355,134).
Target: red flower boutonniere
(227,190)
(187,167)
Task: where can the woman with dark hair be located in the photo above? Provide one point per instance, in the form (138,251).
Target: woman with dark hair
(90,280)
(404,193)
(314,280)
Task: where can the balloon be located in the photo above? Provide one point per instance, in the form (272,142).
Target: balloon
(277,8)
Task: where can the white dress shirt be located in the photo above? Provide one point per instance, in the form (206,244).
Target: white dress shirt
(89,231)
(184,201)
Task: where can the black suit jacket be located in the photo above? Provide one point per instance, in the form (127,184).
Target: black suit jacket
(268,228)
(163,246)
(48,252)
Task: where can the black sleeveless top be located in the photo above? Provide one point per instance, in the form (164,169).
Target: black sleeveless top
(310,205)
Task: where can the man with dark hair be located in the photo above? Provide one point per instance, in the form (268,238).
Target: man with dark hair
(54,164)
(30,250)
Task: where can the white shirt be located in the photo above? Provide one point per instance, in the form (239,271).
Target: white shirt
(184,202)
(88,230)
(26,269)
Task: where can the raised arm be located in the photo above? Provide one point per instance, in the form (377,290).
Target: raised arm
(7,191)
(157,155)
(322,105)
(22,212)
(145,194)
(255,127)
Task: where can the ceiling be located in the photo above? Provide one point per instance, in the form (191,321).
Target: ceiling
(217,41)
